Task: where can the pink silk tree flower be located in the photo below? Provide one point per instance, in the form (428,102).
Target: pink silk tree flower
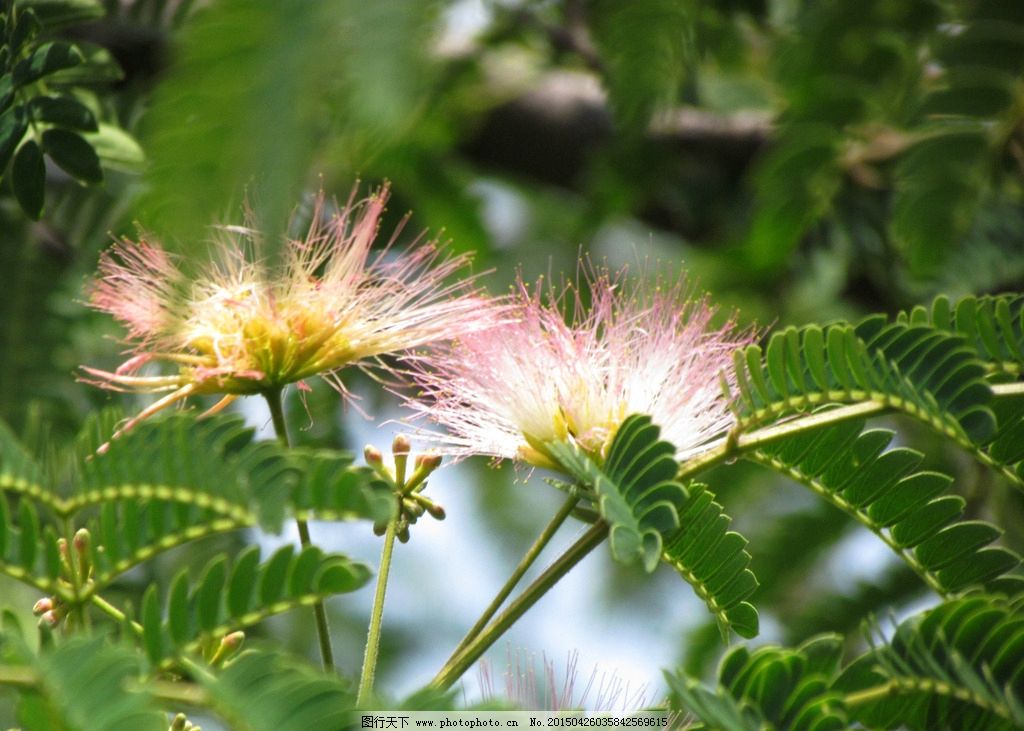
(242,327)
(508,391)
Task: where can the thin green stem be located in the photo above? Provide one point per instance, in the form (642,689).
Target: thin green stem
(527,561)
(276,404)
(18,676)
(187,694)
(191,667)
(76,612)
(460,662)
(376,616)
(114,613)
(732,446)
(906,685)
(185,665)
(72,563)
(870,695)
(323,632)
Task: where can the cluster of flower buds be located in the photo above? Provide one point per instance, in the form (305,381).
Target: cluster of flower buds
(50,610)
(412,503)
(75,570)
(181,723)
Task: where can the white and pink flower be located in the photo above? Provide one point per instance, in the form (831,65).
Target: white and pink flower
(509,390)
(242,327)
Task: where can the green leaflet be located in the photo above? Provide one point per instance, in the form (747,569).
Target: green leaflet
(58,13)
(21,547)
(166,483)
(944,175)
(211,464)
(227,597)
(993,326)
(829,87)
(1005,451)
(79,683)
(715,562)
(73,154)
(882,489)
(327,486)
(716,711)
(645,48)
(46,59)
(214,464)
(651,517)
(176,459)
(263,691)
(783,688)
(635,488)
(960,665)
(88,683)
(131,531)
(63,110)
(28,178)
(928,373)
(32,75)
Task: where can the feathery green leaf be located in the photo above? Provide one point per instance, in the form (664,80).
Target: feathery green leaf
(882,489)
(227,597)
(263,691)
(924,371)
(992,325)
(635,488)
(715,562)
(960,665)
(769,687)
(85,684)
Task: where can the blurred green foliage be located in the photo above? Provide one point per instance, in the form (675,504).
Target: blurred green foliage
(805,160)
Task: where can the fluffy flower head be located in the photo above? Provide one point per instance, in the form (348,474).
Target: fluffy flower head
(243,327)
(508,391)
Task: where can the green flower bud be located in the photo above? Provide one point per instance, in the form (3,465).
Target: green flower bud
(81,543)
(372,455)
(400,445)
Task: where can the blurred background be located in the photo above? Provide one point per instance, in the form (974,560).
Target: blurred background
(802,161)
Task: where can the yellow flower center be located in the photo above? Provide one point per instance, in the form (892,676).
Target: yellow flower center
(248,343)
(592,430)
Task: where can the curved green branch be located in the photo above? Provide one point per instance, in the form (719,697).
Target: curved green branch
(904,685)
(323,631)
(520,570)
(462,661)
(736,444)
